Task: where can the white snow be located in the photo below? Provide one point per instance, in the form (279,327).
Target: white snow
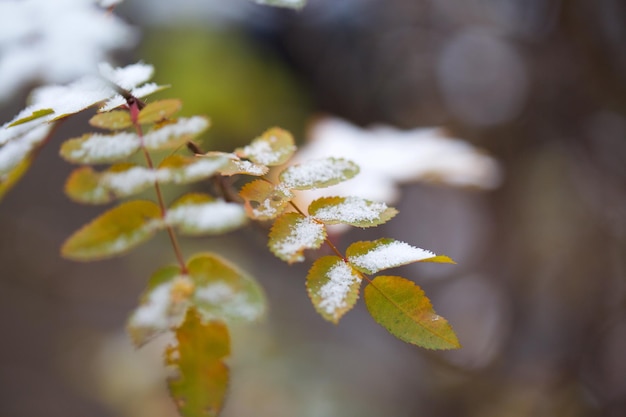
(106,147)
(158,139)
(201,168)
(390,255)
(261,151)
(334,292)
(153,313)
(18,149)
(133,179)
(230,303)
(304,234)
(214,216)
(315,173)
(247,167)
(351,210)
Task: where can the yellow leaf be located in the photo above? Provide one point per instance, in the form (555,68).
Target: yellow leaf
(264,201)
(159,110)
(292,233)
(274,147)
(112,120)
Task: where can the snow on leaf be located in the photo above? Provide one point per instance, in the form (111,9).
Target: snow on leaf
(222,291)
(175,134)
(371,257)
(292,233)
(127,77)
(34,116)
(163,305)
(139,92)
(83,186)
(159,110)
(274,147)
(333,286)
(184,170)
(14,152)
(200,214)
(236,166)
(94,148)
(403,309)
(291,4)
(200,386)
(263,200)
(114,232)
(318,173)
(354,211)
(112,120)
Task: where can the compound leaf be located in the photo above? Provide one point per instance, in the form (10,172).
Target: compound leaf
(372,256)
(112,120)
(318,173)
(200,214)
(200,387)
(403,309)
(114,232)
(263,200)
(333,286)
(159,110)
(274,147)
(354,211)
(222,291)
(292,233)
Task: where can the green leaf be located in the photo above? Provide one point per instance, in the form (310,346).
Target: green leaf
(403,309)
(222,291)
(114,232)
(292,233)
(83,186)
(94,148)
(291,4)
(274,147)
(264,201)
(112,120)
(200,214)
(175,133)
(318,173)
(372,256)
(333,286)
(11,178)
(33,116)
(159,110)
(163,305)
(354,211)
(200,387)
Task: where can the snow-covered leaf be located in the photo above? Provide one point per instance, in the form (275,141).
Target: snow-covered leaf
(34,116)
(94,148)
(236,166)
(112,120)
(292,233)
(200,214)
(139,92)
(224,292)
(201,382)
(8,180)
(373,256)
(403,309)
(274,147)
(318,173)
(263,200)
(84,186)
(177,133)
(159,110)
(354,211)
(18,149)
(333,286)
(184,170)
(291,4)
(162,306)
(114,232)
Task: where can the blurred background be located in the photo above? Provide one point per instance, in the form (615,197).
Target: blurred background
(538,297)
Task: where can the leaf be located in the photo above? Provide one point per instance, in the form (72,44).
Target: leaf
(21,147)
(159,110)
(200,387)
(403,309)
(11,178)
(112,120)
(372,256)
(318,173)
(33,116)
(264,201)
(236,166)
(292,233)
(94,148)
(163,305)
(223,291)
(184,170)
(333,286)
(274,147)
(291,4)
(114,232)
(175,133)
(200,214)
(354,211)
(83,186)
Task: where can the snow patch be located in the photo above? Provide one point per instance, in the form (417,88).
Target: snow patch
(351,210)
(333,293)
(390,255)
(305,233)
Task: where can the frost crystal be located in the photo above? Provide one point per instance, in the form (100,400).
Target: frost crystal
(315,173)
(103,147)
(390,255)
(305,233)
(126,182)
(230,303)
(352,209)
(334,292)
(15,151)
(159,138)
(207,217)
